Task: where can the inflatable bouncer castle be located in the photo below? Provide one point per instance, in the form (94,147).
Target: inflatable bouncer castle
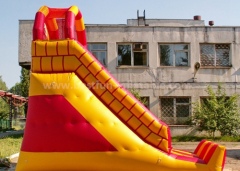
(80,118)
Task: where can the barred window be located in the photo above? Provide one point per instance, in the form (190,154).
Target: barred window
(132,54)
(215,55)
(175,110)
(99,50)
(174,54)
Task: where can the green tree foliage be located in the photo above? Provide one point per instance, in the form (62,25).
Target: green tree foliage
(22,88)
(24,81)
(124,55)
(136,94)
(165,55)
(4,109)
(218,112)
(3,85)
(16,89)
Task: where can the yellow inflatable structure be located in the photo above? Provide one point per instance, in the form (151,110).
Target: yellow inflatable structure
(81,118)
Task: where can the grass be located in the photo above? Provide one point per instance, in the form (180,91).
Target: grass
(10,145)
(197,139)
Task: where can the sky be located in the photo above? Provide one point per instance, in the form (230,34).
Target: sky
(222,12)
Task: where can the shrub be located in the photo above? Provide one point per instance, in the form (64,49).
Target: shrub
(218,112)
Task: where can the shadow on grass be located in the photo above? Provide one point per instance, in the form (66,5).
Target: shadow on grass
(12,134)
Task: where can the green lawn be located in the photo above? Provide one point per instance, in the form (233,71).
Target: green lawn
(10,145)
(196,139)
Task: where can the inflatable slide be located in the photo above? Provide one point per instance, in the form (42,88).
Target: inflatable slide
(81,118)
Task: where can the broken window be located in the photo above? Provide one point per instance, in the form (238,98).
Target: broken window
(174,54)
(215,55)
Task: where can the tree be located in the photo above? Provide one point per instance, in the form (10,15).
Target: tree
(16,89)
(22,88)
(24,82)
(4,109)
(136,94)
(165,55)
(218,112)
(3,85)
(124,55)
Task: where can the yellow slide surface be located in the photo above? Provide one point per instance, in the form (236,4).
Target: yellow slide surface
(81,118)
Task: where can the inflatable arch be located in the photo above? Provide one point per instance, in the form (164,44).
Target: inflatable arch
(81,118)
(47,17)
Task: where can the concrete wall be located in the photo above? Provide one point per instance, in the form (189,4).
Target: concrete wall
(167,22)
(155,81)
(25,39)
(170,81)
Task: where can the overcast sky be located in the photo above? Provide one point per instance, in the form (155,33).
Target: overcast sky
(222,12)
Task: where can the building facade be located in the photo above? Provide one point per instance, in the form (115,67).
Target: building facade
(170,62)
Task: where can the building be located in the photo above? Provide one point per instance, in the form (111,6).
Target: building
(171,61)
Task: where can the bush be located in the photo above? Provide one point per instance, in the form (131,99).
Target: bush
(188,138)
(5,162)
(136,94)
(218,112)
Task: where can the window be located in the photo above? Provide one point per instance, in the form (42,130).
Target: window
(134,54)
(215,55)
(99,50)
(174,54)
(175,110)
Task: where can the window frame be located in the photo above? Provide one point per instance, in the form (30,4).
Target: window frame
(174,54)
(215,57)
(100,50)
(174,116)
(132,54)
